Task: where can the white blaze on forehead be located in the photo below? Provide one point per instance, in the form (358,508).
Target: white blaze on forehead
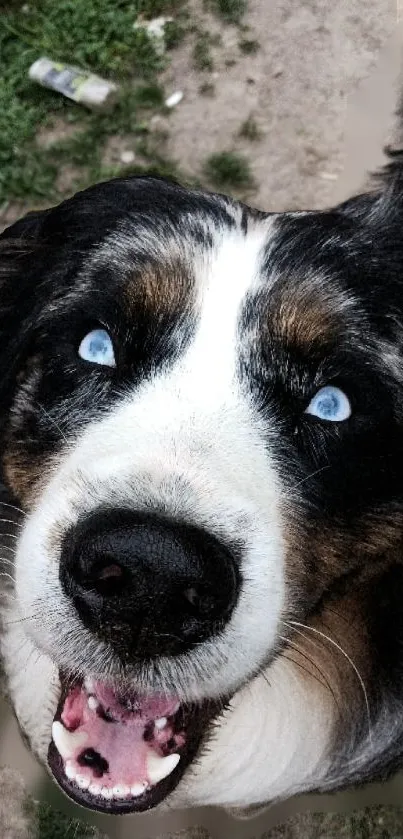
(229,272)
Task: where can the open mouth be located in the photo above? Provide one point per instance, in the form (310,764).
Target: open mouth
(118,752)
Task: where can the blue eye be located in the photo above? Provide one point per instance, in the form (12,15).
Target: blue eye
(331,404)
(97,348)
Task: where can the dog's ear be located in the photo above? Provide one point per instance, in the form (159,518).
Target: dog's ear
(22,251)
(390,176)
(25,228)
(18,244)
(381,205)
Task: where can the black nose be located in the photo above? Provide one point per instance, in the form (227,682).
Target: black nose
(147,585)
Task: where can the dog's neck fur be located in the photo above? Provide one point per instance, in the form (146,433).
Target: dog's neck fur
(308,718)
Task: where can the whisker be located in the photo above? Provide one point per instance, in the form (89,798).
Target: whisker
(22,620)
(8,576)
(10,521)
(326,681)
(4,561)
(30,654)
(298,664)
(338,615)
(315,642)
(350,661)
(13,507)
(312,475)
(8,548)
(48,416)
(37,615)
(265,677)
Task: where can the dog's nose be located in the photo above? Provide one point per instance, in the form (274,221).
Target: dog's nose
(147,585)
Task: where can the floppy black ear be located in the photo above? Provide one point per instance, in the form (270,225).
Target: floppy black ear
(18,244)
(26,227)
(22,251)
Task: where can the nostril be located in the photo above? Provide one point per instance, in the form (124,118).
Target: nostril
(192,596)
(108,579)
(110,571)
(202,603)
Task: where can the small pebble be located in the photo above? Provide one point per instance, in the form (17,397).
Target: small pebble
(127,156)
(328,176)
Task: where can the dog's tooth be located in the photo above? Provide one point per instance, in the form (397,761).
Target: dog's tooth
(89,685)
(121,791)
(137,789)
(67,742)
(159,768)
(70,770)
(107,793)
(92,703)
(82,782)
(95,789)
(161,723)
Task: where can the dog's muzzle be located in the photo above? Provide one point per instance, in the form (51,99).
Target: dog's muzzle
(146,585)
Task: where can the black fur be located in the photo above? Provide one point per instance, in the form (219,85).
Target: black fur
(350,262)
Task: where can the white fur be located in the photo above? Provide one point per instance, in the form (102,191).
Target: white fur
(273,743)
(190,442)
(260,751)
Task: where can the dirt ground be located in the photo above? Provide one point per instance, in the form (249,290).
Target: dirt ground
(312,57)
(297,87)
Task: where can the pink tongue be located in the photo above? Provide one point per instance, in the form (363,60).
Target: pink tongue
(119,739)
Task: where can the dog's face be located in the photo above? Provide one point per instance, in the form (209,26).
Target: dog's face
(202,421)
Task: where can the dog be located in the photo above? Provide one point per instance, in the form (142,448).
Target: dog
(202,446)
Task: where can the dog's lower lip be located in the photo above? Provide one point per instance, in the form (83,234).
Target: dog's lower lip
(166,759)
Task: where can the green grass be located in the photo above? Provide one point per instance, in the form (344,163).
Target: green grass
(230,11)
(249,46)
(51,824)
(175,31)
(229,170)
(250,130)
(202,54)
(93,34)
(97,35)
(207,89)
(85,150)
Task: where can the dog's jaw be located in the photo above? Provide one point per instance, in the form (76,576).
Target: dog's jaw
(292,758)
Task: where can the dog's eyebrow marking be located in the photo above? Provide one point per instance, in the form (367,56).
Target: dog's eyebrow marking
(161,288)
(309,311)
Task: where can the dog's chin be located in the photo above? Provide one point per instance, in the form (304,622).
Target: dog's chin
(117,752)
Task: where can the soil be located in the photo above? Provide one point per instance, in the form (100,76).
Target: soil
(312,57)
